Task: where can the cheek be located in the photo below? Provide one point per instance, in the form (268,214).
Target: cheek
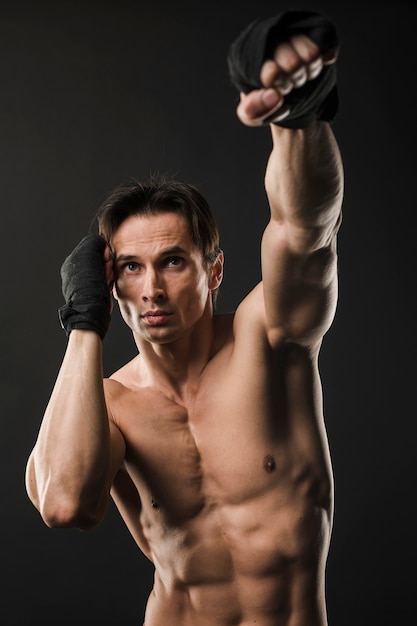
(124,287)
(195,293)
(128,310)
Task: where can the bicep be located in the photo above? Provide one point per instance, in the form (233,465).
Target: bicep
(299,286)
(117,440)
(118,448)
(128,502)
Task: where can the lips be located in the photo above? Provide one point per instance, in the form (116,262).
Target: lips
(154,318)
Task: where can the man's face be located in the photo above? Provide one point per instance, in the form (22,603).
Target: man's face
(161,282)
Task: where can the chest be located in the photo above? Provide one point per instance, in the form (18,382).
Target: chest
(230,445)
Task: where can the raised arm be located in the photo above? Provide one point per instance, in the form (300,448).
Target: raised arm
(299,259)
(304,184)
(78,451)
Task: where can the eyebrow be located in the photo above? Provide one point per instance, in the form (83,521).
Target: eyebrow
(167,252)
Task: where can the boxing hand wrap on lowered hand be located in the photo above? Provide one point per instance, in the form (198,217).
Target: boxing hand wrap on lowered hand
(317,99)
(85,289)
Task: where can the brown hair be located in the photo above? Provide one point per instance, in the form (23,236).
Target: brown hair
(158,194)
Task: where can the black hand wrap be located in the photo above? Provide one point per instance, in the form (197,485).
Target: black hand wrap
(85,289)
(317,99)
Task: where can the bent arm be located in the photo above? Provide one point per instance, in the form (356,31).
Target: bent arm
(77,452)
(304,184)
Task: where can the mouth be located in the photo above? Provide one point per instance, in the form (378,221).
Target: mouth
(153,318)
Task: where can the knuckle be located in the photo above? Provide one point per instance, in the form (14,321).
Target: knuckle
(287,58)
(307,50)
(268,73)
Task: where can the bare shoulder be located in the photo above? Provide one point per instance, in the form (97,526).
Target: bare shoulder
(119,386)
(126,375)
(223,330)
(250,323)
(241,333)
(125,379)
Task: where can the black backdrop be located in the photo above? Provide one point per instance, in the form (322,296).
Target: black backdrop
(96,93)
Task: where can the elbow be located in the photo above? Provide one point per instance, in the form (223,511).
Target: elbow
(59,512)
(63,504)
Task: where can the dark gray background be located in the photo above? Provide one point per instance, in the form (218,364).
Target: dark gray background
(95,93)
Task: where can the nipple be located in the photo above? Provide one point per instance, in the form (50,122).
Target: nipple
(269,464)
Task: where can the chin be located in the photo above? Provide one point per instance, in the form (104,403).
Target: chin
(158,335)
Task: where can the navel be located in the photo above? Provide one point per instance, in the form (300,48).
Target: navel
(269,464)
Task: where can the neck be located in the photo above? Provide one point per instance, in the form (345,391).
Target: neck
(176,367)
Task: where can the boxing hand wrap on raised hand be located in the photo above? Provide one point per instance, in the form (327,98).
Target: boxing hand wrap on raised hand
(85,288)
(317,99)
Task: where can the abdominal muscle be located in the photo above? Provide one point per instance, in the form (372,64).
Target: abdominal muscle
(260,562)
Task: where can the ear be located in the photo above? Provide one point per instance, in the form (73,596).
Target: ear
(216,272)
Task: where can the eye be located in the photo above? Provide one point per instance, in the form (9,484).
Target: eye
(131,266)
(173,261)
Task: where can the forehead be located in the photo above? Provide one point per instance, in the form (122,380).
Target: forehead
(152,232)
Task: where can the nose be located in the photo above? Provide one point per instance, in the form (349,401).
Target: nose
(152,288)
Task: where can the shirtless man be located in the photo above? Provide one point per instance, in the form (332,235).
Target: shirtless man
(211,441)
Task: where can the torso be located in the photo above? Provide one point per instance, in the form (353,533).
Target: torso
(234,486)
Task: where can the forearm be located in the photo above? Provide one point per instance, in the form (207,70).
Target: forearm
(304,183)
(68,472)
